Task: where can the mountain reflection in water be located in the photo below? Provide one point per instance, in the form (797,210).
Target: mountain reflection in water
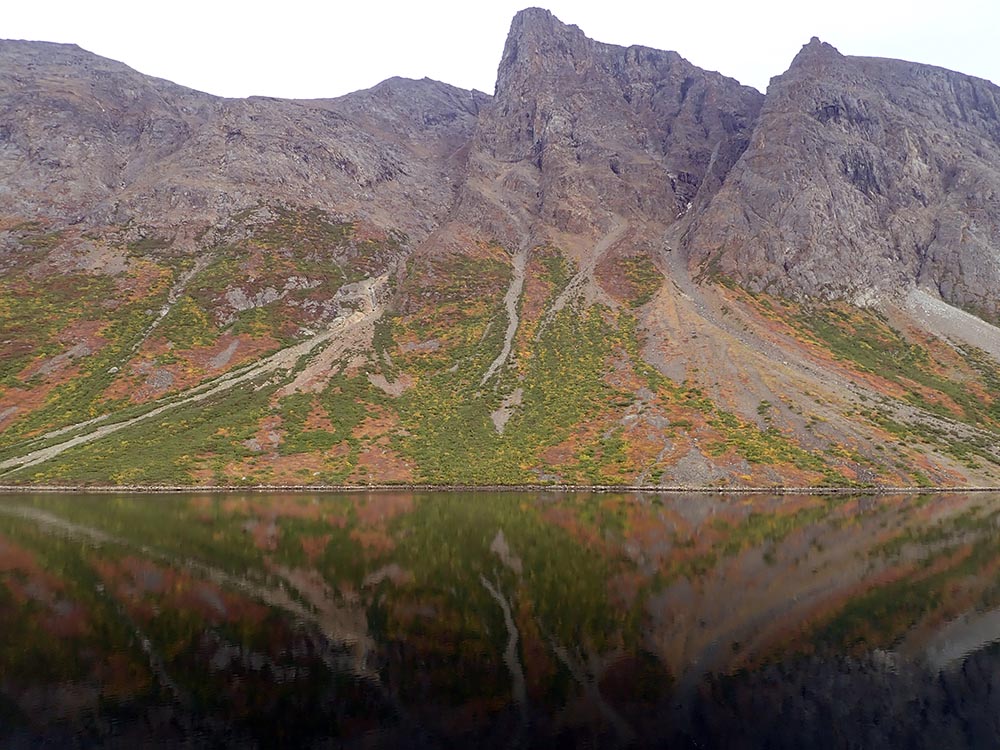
(418,619)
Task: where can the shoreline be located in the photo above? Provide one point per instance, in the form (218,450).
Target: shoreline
(552,488)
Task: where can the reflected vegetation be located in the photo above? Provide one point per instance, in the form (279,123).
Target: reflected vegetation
(409,619)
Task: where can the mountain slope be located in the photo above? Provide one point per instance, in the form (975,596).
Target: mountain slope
(887,168)
(619,269)
(87,135)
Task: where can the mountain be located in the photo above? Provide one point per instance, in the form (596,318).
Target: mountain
(887,168)
(618,270)
(89,140)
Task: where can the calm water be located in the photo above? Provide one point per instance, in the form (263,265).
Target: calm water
(499,620)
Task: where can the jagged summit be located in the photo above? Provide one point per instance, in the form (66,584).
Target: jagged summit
(536,38)
(818,46)
(539,23)
(602,125)
(816,53)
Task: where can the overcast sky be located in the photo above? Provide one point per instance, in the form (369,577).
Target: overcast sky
(303,49)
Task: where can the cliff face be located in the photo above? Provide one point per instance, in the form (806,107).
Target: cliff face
(618,269)
(582,130)
(864,177)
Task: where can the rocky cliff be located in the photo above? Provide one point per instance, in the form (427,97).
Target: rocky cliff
(593,129)
(865,177)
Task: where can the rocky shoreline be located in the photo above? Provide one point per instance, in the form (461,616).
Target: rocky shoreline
(554,488)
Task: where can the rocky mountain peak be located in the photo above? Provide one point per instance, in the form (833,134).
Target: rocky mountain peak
(539,48)
(597,129)
(816,49)
(817,59)
(539,26)
(884,167)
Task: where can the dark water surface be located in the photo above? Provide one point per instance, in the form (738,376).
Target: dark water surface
(414,619)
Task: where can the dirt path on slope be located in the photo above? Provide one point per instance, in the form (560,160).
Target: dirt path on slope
(172,296)
(284,359)
(586,273)
(201,263)
(773,352)
(777,365)
(510,301)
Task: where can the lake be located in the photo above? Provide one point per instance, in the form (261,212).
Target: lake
(436,619)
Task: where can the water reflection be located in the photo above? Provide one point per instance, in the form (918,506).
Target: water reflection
(505,620)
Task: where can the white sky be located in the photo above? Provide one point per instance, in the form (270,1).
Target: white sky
(295,48)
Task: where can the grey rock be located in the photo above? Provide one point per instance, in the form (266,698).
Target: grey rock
(86,140)
(578,129)
(864,178)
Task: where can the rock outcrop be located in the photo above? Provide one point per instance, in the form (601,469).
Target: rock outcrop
(864,177)
(579,130)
